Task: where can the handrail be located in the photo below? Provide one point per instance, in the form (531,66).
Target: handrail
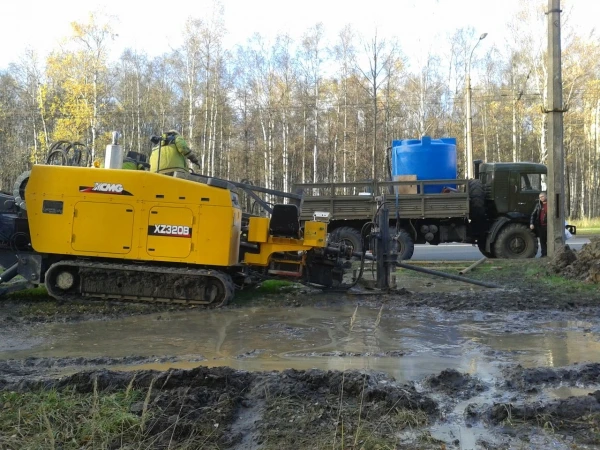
(379,183)
(374,188)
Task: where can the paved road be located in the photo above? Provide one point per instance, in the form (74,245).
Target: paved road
(466,252)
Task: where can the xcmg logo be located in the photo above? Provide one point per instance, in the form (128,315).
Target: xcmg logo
(170,230)
(105,188)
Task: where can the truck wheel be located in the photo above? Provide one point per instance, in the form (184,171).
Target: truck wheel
(516,241)
(348,236)
(406,246)
(477,212)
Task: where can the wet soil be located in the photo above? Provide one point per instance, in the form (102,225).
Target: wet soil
(522,285)
(225,408)
(38,368)
(582,265)
(434,364)
(234,409)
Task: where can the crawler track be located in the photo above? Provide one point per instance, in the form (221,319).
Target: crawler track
(70,280)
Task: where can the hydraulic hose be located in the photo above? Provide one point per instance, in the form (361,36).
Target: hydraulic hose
(438,274)
(362,254)
(9,273)
(446,275)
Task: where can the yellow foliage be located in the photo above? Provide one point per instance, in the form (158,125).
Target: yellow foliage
(35,157)
(76,81)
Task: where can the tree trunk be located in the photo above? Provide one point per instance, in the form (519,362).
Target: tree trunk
(284,151)
(316,135)
(515,151)
(304,131)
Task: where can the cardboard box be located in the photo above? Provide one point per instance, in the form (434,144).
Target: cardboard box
(406,188)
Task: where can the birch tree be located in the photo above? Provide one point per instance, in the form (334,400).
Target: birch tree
(90,63)
(345,57)
(311,59)
(379,53)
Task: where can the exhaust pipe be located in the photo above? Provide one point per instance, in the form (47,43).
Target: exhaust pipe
(476,163)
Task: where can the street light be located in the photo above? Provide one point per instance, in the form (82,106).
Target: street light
(469,118)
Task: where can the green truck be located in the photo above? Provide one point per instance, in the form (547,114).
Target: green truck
(491,211)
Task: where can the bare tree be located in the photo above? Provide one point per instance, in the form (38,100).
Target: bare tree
(345,55)
(311,59)
(380,54)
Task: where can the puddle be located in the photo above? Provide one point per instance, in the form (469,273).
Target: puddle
(406,343)
(564,392)
(453,428)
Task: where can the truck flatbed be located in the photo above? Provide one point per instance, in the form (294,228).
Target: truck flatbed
(356,200)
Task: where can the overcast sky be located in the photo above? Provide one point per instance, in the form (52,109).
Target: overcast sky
(155,27)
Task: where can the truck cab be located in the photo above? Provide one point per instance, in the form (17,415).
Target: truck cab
(511,190)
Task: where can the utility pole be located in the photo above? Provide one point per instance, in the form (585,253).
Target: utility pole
(469,157)
(556,156)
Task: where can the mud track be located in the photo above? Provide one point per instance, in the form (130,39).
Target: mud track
(510,405)
(225,408)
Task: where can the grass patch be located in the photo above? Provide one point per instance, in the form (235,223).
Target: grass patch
(586,226)
(37,292)
(266,288)
(501,267)
(333,424)
(128,418)
(587,222)
(543,276)
(41,308)
(533,271)
(275,286)
(585,429)
(447,267)
(68,420)
(587,231)
(509,272)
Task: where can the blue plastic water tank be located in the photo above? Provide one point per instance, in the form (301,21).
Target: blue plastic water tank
(427,158)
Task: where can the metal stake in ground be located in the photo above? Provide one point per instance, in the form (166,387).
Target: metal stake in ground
(386,258)
(385,255)
(472,266)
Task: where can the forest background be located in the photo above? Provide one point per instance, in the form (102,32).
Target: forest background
(282,111)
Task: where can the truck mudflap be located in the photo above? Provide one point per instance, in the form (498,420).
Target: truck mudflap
(493,232)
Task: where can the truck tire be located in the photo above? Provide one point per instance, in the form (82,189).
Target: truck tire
(477,212)
(406,246)
(347,235)
(516,241)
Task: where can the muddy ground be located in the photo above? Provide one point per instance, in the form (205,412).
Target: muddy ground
(224,408)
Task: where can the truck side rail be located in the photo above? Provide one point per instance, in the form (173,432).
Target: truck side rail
(356,200)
